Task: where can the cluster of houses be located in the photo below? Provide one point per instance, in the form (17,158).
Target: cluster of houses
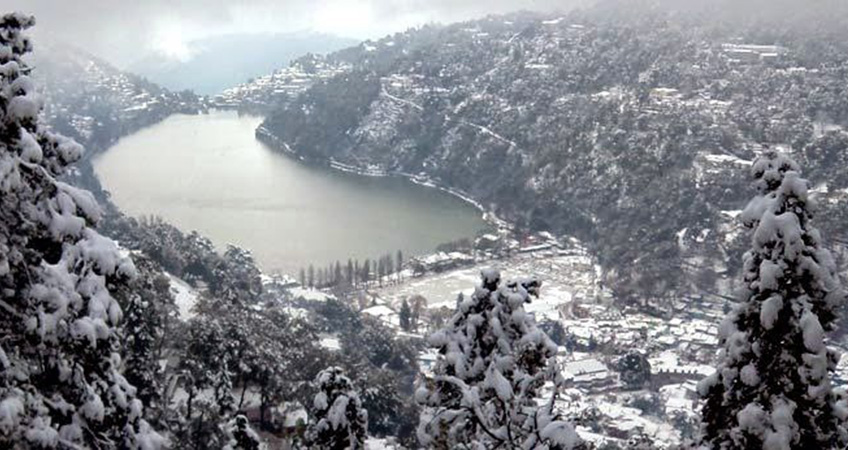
(680,350)
(111,96)
(750,53)
(500,245)
(440,262)
(280,86)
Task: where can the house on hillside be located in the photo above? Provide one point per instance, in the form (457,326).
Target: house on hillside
(751,53)
(591,374)
(384,314)
(663,376)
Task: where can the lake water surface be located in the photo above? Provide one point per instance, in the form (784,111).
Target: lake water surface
(208,173)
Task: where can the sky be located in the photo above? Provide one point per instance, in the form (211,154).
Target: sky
(124,31)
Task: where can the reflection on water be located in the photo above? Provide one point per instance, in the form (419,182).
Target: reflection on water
(208,173)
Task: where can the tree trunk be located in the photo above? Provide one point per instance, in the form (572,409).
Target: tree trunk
(243,390)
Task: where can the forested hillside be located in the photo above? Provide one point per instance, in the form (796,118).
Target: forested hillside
(630,127)
(146,336)
(89,100)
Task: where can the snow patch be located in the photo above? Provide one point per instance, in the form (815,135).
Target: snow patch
(184,296)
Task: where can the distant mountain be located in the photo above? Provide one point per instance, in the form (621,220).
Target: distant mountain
(225,61)
(89,100)
(93,102)
(633,130)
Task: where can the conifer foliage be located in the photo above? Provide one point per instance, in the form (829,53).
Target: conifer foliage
(149,312)
(772,388)
(492,366)
(60,385)
(339,421)
(242,437)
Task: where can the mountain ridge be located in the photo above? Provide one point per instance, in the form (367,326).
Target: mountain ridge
(245,56)
(581,124)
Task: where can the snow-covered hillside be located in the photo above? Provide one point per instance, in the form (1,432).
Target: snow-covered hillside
(93,102)
(634,134)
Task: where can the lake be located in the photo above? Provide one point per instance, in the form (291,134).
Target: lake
(209,173)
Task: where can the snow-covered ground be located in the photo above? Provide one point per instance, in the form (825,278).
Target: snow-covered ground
(564,278)
(679,349)
(373,443)
(185,296)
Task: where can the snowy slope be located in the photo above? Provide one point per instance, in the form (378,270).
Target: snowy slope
(184,296)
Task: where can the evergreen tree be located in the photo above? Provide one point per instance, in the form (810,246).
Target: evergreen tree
(399,264)
(417,304)
(237,277)
(405,316)
(149,312)
(772,388)
(339,420)
(356,272)
(390,265)
(492,365)
(390,413)
(337,274)
(366,272)
(635,370)
(205,371)
(554,330)
(60,385)
(241,436)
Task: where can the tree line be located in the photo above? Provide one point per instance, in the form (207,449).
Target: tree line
(353,274)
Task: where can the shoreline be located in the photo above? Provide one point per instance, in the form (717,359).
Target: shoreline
(490,220)
(488,216)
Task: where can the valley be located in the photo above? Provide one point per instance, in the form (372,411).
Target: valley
(604,220)
(209,173)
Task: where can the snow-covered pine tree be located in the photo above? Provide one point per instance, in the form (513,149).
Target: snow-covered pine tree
(634,369)
(487,381)
(772,388)
(339,421)
(241,436)
(405,316)
(149,308)
(60,384)
(206,379)
(640,441)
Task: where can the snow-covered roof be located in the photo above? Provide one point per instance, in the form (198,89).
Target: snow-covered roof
(379,311)
(330,343)
(293,417)
(586,369)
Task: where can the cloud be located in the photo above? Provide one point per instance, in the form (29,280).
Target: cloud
(123,30)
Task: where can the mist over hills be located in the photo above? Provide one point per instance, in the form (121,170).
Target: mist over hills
(94,102)
(220,62)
